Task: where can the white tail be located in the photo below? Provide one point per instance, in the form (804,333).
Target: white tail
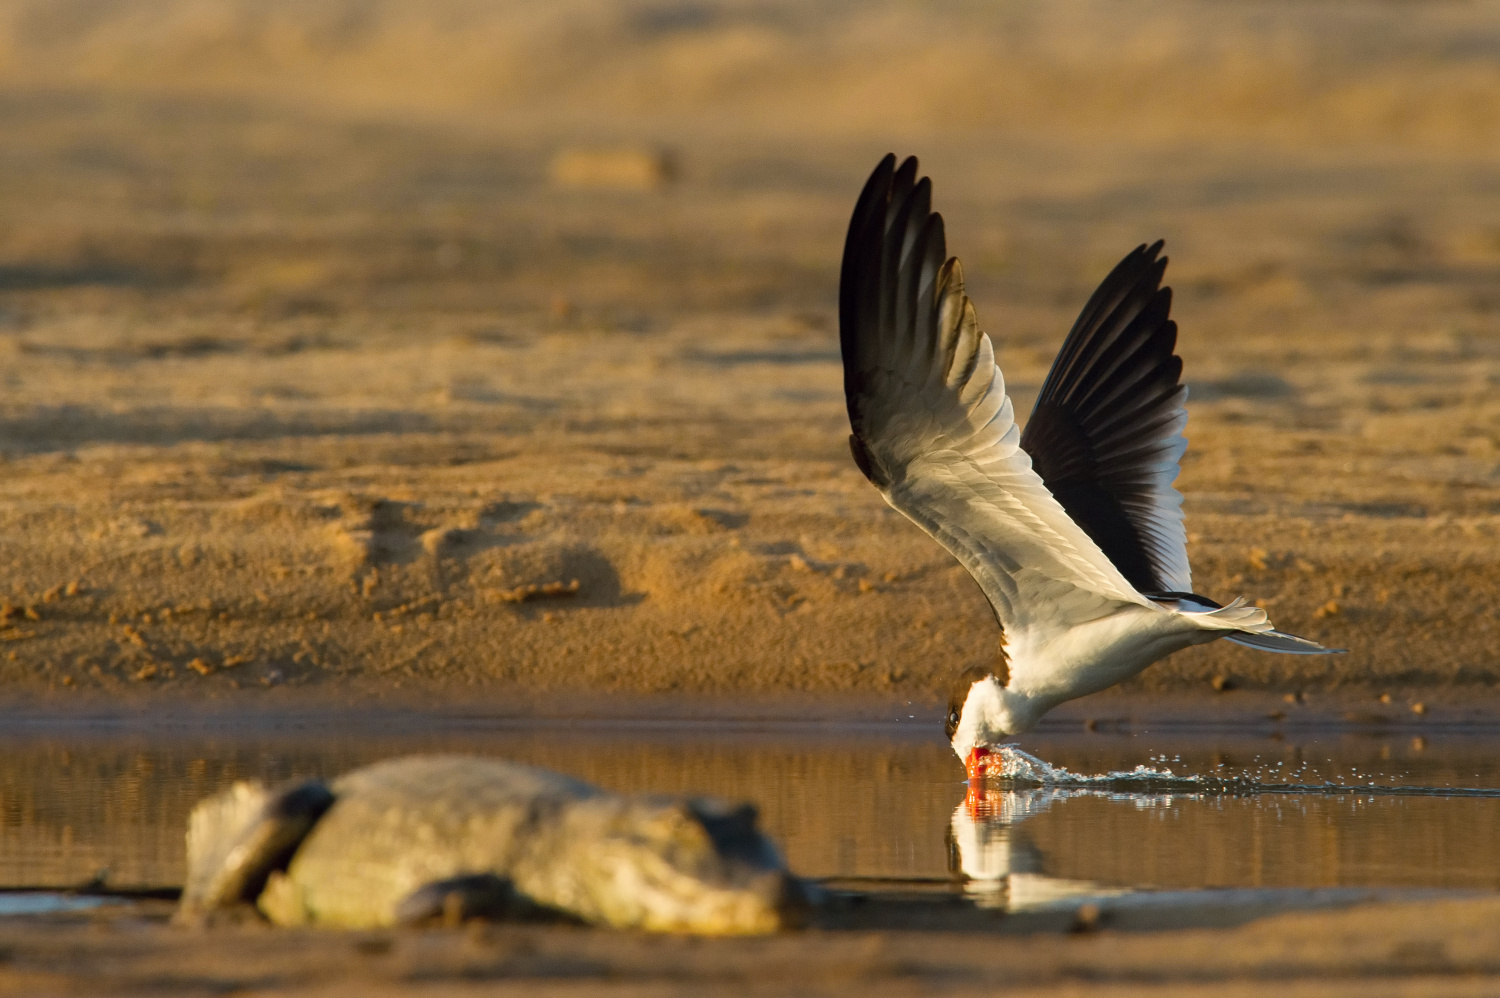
(1252,628)
(1237,616)
(1283,643)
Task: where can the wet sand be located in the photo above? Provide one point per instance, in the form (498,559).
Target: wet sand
(1445,947)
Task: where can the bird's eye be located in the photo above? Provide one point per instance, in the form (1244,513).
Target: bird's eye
(952,717)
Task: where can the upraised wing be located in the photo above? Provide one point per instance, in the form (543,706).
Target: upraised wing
(1106,433)
(933,428)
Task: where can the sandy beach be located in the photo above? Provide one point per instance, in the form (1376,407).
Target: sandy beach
(311,392)
(314,392)
(310,379)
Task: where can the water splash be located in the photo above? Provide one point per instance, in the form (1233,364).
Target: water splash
(1024,769)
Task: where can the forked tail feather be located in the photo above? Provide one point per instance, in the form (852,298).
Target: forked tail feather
(1251,627)
(1282,643)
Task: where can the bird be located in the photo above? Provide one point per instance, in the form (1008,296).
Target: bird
(1072,527)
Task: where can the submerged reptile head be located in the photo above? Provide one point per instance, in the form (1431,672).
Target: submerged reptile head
(668,865)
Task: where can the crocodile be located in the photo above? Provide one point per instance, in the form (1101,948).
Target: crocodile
(450,837)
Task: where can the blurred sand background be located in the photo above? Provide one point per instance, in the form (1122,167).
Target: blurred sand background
(340,336)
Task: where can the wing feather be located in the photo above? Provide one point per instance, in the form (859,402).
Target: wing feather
(932,424)
(1106,435)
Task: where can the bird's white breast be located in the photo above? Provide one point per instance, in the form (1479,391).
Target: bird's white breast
(1048,669)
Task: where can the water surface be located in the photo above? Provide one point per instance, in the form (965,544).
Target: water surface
(856,806)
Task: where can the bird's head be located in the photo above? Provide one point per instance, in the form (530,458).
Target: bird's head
(976,719)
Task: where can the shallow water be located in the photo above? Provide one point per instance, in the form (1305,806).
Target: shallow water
(868,807)
(47,902)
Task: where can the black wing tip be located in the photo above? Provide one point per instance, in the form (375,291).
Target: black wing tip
(884,170)
(877,191)
(891,195)
(1145,253)
(1153,267)
(889,173)
(1143,267)
(894,212)
(886,185)
(1117,379)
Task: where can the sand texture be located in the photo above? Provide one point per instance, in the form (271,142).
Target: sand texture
(1439,947)
(370,346)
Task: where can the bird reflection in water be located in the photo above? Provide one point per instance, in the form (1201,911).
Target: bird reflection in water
(1001,866)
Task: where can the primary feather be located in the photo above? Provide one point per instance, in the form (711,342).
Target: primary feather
(1106,433)
(932,425)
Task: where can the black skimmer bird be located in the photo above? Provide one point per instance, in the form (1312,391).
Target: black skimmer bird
(1072,528)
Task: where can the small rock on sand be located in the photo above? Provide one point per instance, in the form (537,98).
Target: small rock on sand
(624,168)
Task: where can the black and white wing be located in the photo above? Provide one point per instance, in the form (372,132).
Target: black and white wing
(1106,433)
(934,430)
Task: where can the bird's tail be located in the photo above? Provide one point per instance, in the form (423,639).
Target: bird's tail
(1249,626)
(1283,643)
